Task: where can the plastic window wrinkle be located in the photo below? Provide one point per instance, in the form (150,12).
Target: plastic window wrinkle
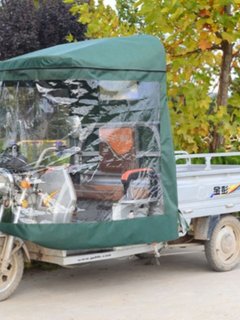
(76,141)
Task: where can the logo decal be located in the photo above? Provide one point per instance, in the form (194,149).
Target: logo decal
(224,190)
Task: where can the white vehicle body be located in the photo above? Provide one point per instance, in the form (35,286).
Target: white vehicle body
(200,205)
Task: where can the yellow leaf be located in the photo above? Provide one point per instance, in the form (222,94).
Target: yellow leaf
(204,13)
(228,36)
(69,37)
(204,44)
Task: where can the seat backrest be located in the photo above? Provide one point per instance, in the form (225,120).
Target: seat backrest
(117,149)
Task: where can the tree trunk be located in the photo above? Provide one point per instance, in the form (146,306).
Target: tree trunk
(222,97)
(224,82)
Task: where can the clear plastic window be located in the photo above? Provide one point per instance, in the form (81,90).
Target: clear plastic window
(90,150)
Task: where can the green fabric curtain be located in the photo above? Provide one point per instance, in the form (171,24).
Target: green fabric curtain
(131,58)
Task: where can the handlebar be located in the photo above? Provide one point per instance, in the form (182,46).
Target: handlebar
(43,153)
(71,151)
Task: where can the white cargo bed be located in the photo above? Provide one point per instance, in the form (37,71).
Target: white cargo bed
(205,190)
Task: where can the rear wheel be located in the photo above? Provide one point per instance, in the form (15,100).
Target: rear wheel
(223,249)
(10,279)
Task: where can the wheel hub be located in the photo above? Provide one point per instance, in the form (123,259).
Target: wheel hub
(226,243)
(6,276)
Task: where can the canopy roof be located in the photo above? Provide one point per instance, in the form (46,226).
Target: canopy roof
(134,57)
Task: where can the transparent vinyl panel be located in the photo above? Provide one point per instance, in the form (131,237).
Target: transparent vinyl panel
(81,151)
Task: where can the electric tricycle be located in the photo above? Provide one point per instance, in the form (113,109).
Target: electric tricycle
(87,167)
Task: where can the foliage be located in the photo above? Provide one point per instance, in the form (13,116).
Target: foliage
(98,16)
(128,12)
(56,23)
(28,25)
(201,38)
(18,28)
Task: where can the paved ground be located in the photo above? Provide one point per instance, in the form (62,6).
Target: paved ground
(181,288)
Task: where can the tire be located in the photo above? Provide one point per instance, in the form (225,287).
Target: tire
(223,249)
(10,280)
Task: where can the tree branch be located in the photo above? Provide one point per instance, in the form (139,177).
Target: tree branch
(213,47)
(236,54)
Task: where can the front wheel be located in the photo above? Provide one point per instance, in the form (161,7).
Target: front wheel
(223,249)
(10,279)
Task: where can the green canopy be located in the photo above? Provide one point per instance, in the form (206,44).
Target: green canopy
(120,58)
(142,59)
